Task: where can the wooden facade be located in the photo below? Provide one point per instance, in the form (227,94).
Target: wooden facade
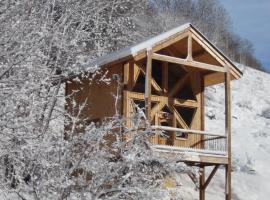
(167,76)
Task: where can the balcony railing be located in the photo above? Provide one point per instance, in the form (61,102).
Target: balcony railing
(196,141)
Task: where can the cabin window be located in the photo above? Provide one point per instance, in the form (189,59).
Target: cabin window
(187,114)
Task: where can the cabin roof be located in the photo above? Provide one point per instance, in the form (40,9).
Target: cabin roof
(134,50)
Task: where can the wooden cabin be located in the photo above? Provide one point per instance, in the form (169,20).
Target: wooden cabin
(167,75)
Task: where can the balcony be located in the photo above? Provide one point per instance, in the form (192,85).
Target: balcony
(204,147)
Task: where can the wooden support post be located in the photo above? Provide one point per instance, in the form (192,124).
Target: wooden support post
(148,78)
(228,131)
(189,50)
(202,110)
(202,180)
(202,175)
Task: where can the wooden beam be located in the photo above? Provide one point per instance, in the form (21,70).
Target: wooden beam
(167,128)
(201,157)
(193,178)
(210,176)
(156,109)
(172,40)
(162,45)
(140,96)
(148,78)
(135,72)
(201,187)
(220,58)
(155,98)
(153,82)
(194,64)
(189,50)
(178,117)
(228,131)
(176,53)
(127,75)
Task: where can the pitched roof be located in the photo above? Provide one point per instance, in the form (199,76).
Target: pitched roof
(134,50)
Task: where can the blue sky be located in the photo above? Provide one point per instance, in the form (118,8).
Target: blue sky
(251,20)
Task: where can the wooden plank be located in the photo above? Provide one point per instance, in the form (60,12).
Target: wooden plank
(199,132)
(148,78)
(213,78)
(228,131)
(201,157)
(194,64)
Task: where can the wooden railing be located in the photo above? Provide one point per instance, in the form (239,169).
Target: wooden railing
(204,142)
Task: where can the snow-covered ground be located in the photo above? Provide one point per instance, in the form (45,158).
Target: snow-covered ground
(251,137)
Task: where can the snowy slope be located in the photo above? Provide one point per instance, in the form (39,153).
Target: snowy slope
(251,137)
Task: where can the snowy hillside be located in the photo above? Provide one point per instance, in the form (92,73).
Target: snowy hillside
(251,136)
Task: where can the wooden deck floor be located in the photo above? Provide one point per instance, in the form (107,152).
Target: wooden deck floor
(195,156)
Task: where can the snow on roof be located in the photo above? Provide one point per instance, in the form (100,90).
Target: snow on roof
(133,50)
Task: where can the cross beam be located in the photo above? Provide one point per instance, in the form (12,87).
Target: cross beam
(211,175)
(187,62)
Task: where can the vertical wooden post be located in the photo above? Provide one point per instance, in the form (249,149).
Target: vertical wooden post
(202,169)
(189,50)
(148,78)
(228,131)
(202,181)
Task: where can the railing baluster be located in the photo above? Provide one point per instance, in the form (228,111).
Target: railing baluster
(215,143)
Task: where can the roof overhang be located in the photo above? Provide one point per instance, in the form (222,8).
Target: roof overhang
(139,51)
